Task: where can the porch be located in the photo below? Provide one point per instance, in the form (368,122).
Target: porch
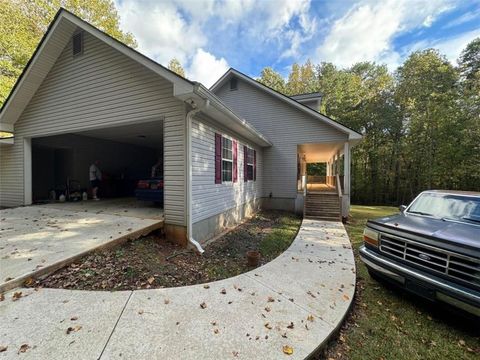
(323,180)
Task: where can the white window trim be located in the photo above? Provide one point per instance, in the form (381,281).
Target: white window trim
(252,164)
(228,160)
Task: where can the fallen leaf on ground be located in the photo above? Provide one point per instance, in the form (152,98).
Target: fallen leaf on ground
(166,301)
(23,348)
(3,348)
(203,305)
(150,280)
(288,350)
(2,297)
(140,312)
(223,291)
(268,326)
(206,286)
(267,309)
(73,329)
(74,318)
(310,318)
(345,297)
(461,342)
(16,295)
(271,299)
(291,326)
(215,331)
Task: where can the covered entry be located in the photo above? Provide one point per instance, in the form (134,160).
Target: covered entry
(325,191)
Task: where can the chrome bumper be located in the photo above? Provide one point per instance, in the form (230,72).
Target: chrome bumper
(444,291)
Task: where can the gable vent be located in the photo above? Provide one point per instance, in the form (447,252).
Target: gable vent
(233,83)
(77,47)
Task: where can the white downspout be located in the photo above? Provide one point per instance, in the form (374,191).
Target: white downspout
(189,117)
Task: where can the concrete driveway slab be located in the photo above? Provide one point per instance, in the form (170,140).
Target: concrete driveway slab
(39,239)
(171,324)
(41,319)
(119,206)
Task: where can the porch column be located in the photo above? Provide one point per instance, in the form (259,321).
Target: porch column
(346,181)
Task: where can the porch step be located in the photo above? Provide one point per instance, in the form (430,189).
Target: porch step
(322,206)
(325,218)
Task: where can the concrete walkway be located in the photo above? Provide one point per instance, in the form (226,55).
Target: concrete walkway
(297,300)
(35,240)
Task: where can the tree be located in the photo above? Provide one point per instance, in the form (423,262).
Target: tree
(428,98)
(470,61)
(469,102)
(302,79)
(23,23)
(272,79)
(175,66)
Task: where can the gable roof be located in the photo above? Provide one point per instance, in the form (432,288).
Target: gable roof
(352,134)
(59,33)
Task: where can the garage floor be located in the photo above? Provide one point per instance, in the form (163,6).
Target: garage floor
(39,239)
(120,206)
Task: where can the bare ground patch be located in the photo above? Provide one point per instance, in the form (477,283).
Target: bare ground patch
(152,262)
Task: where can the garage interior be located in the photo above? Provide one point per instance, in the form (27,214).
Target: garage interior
(126,154)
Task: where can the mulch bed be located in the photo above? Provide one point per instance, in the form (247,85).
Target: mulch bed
(153,262)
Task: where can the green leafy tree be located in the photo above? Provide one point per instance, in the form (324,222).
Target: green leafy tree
(426,93)
(272,79)
(469,101)
(175,66)
(302,79)
(23,23)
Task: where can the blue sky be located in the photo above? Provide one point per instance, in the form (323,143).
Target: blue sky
(209,36)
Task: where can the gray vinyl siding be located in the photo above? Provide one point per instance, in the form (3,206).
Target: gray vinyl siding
(210,199)
(99,88)
(285,126)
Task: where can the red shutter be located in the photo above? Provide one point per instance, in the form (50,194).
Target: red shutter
(235,168)
(254,165)
(218,159)
(245,168)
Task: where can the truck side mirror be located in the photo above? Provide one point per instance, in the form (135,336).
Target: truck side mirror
(402,208)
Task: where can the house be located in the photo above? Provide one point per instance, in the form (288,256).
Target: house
(226,151)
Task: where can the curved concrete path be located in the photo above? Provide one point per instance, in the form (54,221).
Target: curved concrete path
(297,300)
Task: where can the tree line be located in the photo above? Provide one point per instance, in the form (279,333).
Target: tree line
(421,123)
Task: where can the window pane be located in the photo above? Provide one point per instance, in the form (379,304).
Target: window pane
(227,152)
(249,156)
(249,172)
(226,171)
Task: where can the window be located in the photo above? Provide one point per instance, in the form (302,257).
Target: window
(233,84)
(250,163)
(227,160)
(77,44)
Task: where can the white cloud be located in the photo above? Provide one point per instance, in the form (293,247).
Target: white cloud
(178,28)
(206,68)
(366,32)
(465,18)
(160,29)
(452,47)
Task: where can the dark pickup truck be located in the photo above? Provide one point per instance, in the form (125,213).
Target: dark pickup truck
(432,248)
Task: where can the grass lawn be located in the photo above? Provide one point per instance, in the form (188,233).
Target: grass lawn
(386,323)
